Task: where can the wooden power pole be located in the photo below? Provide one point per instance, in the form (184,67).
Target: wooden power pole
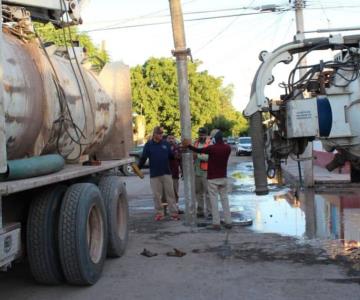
(181,53)
(3,156)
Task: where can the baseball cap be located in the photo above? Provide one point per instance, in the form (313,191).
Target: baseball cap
(213,132)
(202,130)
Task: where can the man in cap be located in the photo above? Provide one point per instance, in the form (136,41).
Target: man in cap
(158,152)
(201,167)
(219,154)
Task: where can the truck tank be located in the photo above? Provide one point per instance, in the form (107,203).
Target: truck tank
(53,108)
(52,104)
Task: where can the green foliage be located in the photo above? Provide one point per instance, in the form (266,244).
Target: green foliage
(155,94)
(222,123)
(48,33)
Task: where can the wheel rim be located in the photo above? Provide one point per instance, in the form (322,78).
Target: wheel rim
(95,233)
(129,169)
(121,218)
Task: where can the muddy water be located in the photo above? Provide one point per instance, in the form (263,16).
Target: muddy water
(330,219)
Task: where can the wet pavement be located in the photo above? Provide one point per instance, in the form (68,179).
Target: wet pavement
(329,219)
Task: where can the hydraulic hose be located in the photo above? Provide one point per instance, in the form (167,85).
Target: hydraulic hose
(258,154)
(33,167)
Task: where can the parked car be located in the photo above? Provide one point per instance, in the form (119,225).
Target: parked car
(244,146)
(136,152)
(231,140)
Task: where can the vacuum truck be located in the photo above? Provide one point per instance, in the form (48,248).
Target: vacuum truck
(322,103)
(64,133)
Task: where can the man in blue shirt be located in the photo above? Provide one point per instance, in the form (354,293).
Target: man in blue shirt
(159,152)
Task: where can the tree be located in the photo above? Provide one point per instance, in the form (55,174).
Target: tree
(222,123)
(155,94)
(60,37)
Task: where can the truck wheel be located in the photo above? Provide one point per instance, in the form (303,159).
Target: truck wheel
(127,169)
(82,234)
(117,209)
(41,237)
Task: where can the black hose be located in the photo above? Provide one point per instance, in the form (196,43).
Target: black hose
(258,154)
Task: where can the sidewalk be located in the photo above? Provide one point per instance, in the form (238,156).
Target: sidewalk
(321,175)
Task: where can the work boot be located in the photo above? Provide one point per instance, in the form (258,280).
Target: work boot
(175,217)
(228,226)
(159,217)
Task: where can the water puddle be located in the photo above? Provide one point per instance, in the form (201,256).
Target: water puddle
(328,219)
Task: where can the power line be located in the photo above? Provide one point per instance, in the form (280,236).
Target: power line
(324,12)
(167,22)
(218,34)
(153,14)
(148,15)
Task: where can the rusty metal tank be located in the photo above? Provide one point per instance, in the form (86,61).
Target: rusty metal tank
(50,106)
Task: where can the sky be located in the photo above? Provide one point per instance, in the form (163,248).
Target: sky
(228,47)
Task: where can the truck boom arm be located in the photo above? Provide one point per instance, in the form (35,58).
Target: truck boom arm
(50,10)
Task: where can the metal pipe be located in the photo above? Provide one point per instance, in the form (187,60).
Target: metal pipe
(32,167)
(332,29)
(258,153)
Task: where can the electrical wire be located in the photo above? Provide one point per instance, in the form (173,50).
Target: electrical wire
(80,72)
(216,36)
(167,22)
(325,14)
(153,14)
(221,31)
(64,107)
(351,65)
(65,112)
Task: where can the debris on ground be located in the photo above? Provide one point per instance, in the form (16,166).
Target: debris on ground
(176,253)
(148,253)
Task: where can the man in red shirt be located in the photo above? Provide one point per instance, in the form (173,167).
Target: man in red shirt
(219,154)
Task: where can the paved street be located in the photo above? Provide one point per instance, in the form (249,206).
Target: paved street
(243,263)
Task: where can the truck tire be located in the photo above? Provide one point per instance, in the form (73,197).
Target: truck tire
(82,234)
(114,193)
(41,236)
(127,170)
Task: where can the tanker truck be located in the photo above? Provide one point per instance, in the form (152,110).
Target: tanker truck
(322,103)
(64,133)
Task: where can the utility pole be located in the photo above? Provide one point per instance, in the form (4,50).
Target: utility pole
(307,164)
(3,156)
(181,53)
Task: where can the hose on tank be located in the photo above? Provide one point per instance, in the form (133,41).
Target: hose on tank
(33,167)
